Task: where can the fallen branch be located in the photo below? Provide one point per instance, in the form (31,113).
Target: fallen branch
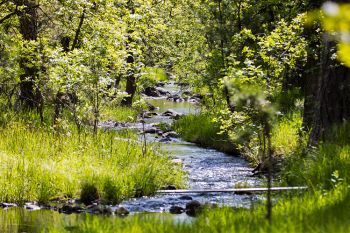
(236,191)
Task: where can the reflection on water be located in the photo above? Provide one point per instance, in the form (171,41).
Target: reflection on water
(180,107)
(18,220)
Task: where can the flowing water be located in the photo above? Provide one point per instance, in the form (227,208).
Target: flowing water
(206,169)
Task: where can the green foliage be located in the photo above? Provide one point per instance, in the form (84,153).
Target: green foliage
(151,76)
(271,58)
(39,165)
(336,21)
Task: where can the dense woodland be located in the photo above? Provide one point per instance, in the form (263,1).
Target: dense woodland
(272,80)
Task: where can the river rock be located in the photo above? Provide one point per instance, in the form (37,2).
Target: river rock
(193,208)
(186,198)
(171,113)
(107,210)
(148,114)
(171,134)
(121,211)
(151,107)
(176,210)
(165,140)
(175,98)
(197,96)
(187,93)
(194,100)
(152,130)
(7,205)
(162,91)
(31,206)
(151,91)
(177,161)
(160,84)
(68,209)
(169,187)
(95,209)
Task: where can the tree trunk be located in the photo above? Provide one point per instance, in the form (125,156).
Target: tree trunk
(131,80)
(29,96)
(333,95)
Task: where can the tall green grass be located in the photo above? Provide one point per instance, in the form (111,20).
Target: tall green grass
(118,113)
(37,164)
(200,129)
(286,134)
(322,166)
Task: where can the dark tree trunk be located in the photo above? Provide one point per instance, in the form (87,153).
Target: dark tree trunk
(131,80)
(310,77)
(327,93)
(333,95)
(130,60)
(310,95)
(30,95)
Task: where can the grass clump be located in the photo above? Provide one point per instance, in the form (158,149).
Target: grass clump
(89,193)
(200,129)
(323,166)
(286,134)
(37,164)
(119,114)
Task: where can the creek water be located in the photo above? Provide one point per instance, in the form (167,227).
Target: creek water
(205,168)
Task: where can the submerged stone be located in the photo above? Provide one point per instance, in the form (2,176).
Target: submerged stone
(176,210)
(7,205)
(186,198)
(193,208)
(31,206)
(121,211)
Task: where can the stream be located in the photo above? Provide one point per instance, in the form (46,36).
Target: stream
(205,168)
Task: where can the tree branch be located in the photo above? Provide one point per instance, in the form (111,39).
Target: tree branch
(16,12)
(8,16)
(3,2)
(82,17)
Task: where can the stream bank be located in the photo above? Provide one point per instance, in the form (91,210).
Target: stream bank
(206,169)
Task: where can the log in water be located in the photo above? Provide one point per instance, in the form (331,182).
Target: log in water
(236,191)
